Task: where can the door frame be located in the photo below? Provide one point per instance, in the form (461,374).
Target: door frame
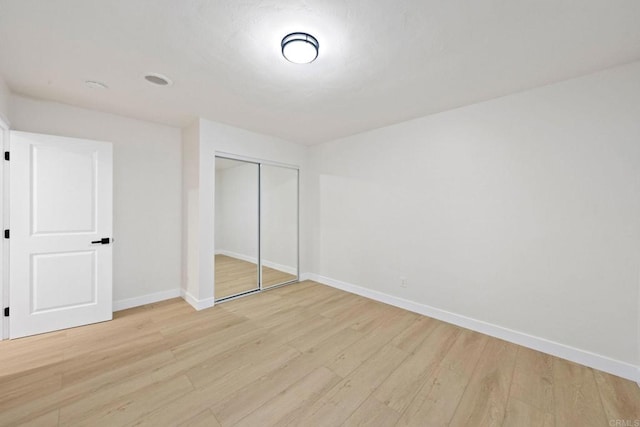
(4,220)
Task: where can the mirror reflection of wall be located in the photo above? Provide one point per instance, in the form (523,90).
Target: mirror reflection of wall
(279,224)
(236,227)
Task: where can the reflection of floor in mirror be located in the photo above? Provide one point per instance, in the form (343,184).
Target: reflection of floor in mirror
(234,276)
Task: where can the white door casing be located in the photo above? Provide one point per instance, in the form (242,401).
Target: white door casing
(4,216)
(60,202)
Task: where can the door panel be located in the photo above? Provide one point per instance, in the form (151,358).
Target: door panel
(237,224)
(63,190)
(61,205)
(279,225)
(75,269)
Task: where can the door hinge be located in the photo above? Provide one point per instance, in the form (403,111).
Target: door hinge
(6,155)
(6,312)
(6,234)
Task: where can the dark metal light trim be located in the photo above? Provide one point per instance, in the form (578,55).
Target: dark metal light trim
(300,37)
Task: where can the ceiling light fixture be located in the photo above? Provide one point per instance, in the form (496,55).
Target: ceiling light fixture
(96,85)
(158,79)
(300,48)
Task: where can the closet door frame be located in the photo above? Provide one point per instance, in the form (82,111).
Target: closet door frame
(260,163)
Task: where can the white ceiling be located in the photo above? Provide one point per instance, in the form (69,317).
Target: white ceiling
(380,62)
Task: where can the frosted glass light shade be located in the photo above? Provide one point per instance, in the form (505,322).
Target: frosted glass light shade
(300,48)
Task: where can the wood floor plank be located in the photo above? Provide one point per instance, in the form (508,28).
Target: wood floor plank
(216,342)
(80,404)
(484,400)
(576,396)
(288,403)
(315,295)
(228,382)
(243,365)
(203,419)
(46,420)
(26,354)
(228,376)
(18,388)
(317,335)
(302,355)
(262,304)
(180,409)
(439,397)
(337,405)
(533,379)
(124,409)
(237,405)
(335,304)
(399,389)
(366,313)
(286,315)
(374,320)
(293,330)
(620,398)
(413,335)
(186,325)
(361,350)
(81,367)
(243,401)
(118,377)
(521,414)
(372,413)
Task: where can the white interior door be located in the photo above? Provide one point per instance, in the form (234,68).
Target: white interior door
(61,226)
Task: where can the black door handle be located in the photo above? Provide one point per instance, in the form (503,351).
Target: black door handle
(103,241)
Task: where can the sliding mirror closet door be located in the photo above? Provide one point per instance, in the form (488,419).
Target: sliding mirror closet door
(236,227)
(279,225)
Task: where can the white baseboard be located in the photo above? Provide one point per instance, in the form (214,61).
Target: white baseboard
(196,303)
(123,304)
(583,357)
(280,267)
(254,260)
(237,255)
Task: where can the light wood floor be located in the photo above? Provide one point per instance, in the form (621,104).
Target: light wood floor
(302,355)
(234,276)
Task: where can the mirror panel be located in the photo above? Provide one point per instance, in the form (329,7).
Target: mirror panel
(236,227)
(279,225)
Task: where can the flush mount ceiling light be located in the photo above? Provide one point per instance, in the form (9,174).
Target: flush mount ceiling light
(158,79)
(300,48)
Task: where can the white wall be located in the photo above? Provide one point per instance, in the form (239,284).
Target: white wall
(218,138)
(190,208)
(5,95)
(147,181)
(523,211)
